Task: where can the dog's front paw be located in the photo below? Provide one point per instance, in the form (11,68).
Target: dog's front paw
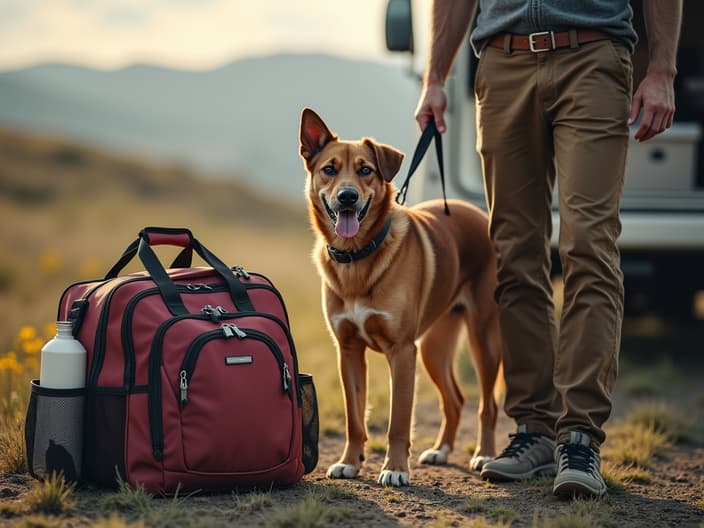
(394,479)
(342,471)
(435,456)
(477,462)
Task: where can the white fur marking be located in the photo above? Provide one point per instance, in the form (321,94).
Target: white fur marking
(435,456)
(394,479)
(358,315)
(477,462)
(342,471)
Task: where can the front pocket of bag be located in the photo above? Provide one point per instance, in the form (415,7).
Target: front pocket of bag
(236,403)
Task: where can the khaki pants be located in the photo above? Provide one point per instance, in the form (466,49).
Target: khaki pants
(563,114)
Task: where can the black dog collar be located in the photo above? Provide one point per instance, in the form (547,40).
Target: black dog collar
(345,257)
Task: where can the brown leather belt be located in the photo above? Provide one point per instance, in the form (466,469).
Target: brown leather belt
(546,40)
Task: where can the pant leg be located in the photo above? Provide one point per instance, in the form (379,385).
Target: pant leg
(592,87)
(515,145)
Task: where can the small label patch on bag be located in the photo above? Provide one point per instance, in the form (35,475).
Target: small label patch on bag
(238,360)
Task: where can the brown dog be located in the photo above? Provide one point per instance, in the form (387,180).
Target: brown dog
(394,275)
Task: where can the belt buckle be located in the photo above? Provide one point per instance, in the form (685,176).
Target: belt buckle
(533,36)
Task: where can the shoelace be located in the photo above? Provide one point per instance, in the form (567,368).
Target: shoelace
(577,456)
(519,443)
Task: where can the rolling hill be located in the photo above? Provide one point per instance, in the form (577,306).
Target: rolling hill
(241,118)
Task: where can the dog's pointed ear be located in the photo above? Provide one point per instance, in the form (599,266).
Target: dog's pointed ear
(388,159)
(314,134)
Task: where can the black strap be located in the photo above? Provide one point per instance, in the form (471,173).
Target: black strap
(430,133)
(182,260)
(345,257)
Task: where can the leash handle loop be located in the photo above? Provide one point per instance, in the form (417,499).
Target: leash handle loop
(429,133)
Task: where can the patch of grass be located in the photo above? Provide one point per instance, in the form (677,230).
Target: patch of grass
(618,477)
(311,512)
(634,445)
(127,499)
(392,495)
(175,512)
(582,513)
(664,419)
(253,502)
(114,521)
(12,508)
(12,450)
(52,496)
(39,521)
(331,493)
(503,514)
(475,505)
(490,508)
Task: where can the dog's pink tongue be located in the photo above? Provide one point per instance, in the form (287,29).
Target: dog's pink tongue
(347,224)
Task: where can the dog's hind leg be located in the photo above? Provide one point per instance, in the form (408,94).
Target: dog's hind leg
(485,343)
(437,349)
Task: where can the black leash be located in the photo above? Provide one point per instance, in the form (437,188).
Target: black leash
(430,133)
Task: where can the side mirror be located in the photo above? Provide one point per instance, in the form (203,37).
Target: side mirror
(399,26)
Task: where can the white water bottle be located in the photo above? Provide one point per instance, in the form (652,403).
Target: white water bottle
(63,364)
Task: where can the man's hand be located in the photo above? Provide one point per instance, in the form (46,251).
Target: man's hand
(655,97)
(432,103)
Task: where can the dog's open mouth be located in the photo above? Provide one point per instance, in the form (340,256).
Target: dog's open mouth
(347,220)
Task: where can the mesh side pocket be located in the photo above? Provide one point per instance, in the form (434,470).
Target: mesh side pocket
(309,413)
(54,431)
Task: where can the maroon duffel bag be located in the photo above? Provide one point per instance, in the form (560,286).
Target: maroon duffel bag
(192,380)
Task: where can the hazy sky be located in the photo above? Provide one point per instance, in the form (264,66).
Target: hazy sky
(185,33)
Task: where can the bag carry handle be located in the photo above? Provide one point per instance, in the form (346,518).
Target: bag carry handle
(180,237)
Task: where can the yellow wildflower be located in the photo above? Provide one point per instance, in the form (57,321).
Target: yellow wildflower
(26,333)
(9,362)
(32,346)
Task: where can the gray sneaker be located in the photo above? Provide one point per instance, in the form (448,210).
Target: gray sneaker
(578,468)
(527,455)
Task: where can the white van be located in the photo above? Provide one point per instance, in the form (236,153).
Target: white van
(662,243)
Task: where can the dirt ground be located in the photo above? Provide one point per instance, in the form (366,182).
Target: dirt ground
(450,495)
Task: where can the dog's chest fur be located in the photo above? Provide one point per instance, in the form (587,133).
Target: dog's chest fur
(359,320)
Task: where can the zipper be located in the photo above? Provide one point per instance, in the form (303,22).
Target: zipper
(101,336)
(126,328)
(227,331)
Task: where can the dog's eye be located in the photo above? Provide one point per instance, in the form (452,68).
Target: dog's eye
(329,170)
(365,171)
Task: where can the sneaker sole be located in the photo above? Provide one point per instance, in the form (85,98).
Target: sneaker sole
(577,489)
(494,475)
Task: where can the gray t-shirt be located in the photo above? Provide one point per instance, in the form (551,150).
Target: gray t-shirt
(528,16)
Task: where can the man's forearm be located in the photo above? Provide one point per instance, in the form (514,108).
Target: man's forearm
(663,19)
(449,25)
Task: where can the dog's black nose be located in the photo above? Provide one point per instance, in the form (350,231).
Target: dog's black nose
(347,196)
